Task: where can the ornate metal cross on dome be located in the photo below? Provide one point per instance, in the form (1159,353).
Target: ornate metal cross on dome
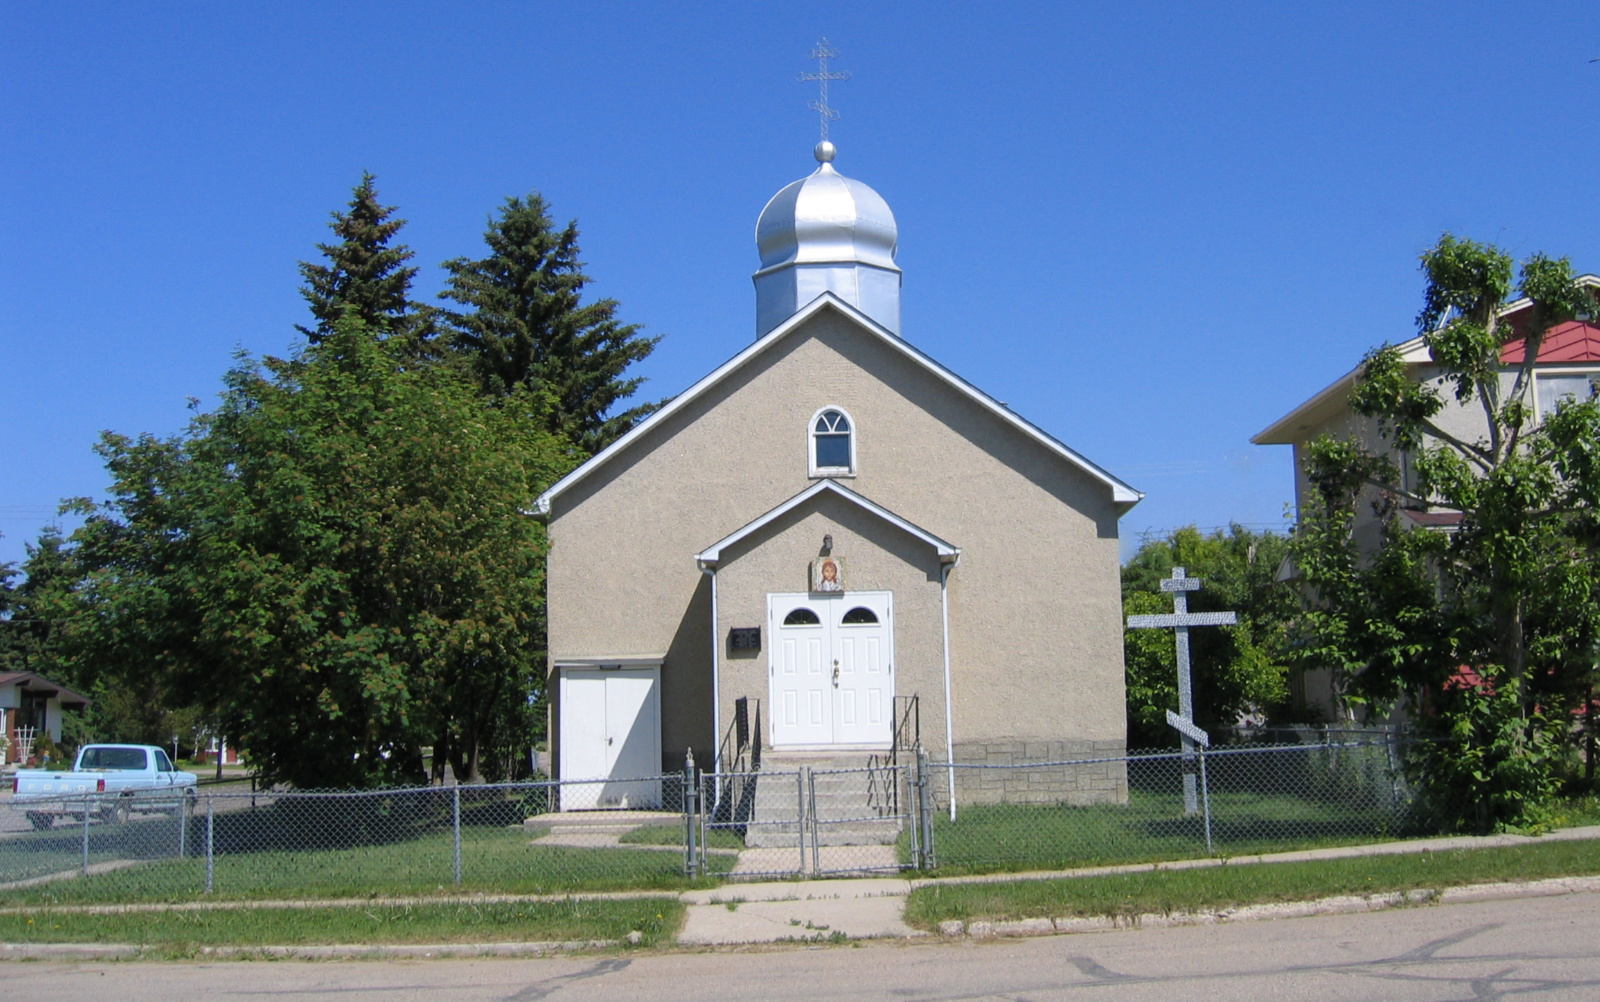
(822,54)
(1179,621)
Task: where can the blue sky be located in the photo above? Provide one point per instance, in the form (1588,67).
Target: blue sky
(1151,228)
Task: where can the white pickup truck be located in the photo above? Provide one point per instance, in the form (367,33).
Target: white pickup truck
(106,780)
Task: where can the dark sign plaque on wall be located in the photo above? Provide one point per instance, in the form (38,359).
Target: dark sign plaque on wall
(745,638)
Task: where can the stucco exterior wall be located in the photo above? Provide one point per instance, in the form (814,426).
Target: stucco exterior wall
(1035,603)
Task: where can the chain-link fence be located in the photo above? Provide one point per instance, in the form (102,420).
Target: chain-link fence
(533,838)
(1166,805)
(667,831)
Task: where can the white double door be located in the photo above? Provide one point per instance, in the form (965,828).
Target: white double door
(831,666)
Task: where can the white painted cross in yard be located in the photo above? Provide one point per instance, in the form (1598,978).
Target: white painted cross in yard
(1179,620)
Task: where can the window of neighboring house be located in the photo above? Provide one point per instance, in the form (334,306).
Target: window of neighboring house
(833,444)
(33,711)
(1554,387)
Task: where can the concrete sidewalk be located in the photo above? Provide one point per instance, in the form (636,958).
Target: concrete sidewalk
(870,908)
(865,908)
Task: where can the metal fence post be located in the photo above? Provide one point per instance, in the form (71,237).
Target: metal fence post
(455,820)
(211,835)
(701,800)
(1205,794)
(914,780)
(85,836)
(691,803)
(930,859)
(800,815)
(816,834)
(183,825)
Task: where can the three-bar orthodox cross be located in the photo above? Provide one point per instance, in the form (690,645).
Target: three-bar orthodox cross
(822,54)
(1179,620)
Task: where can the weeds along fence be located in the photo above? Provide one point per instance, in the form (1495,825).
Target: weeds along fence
(667,831)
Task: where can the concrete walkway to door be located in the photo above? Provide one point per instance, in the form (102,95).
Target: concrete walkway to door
(865,908)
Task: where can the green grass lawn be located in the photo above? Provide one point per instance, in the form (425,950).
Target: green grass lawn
(1163,891)
(655,919)
(987,838)
(494,859)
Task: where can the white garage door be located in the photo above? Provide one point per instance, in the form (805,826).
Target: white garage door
(611,732)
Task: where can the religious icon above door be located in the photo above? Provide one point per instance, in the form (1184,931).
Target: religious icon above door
(827,574)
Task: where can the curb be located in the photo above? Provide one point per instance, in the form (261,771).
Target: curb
(1341,905)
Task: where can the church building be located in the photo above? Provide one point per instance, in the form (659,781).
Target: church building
(830,542)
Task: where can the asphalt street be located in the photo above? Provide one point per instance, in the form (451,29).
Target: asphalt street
(1541,948)
(14,820)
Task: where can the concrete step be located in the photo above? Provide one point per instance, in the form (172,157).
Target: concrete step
(847,803)
(785,836)
(598,822)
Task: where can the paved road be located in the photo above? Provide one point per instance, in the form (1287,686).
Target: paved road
(14,821)
(1547,948)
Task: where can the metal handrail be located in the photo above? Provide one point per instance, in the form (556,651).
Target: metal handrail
(742,737)
(912,715)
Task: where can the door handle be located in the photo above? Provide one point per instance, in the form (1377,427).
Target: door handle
(608,740)
(836,673)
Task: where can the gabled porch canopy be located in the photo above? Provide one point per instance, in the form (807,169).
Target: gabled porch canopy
(709,558)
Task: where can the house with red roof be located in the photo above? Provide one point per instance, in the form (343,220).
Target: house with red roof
(1567,367)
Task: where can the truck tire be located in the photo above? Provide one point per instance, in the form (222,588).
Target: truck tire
(116,813)
(40,820)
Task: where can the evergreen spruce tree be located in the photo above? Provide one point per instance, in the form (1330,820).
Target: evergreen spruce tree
(365,277)
(526,325)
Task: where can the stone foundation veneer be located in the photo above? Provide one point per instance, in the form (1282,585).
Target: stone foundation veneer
(1025,780)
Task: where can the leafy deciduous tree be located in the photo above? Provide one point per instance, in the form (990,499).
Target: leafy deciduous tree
(1491,630)
(335,563)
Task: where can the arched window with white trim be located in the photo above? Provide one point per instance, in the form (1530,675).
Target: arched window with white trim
(832,443)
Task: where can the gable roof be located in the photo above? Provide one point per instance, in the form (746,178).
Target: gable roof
(1121,493)
(30,682)
(1577,341)
(709,557)
(1330,400)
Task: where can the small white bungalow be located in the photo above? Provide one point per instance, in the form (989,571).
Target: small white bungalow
(29,700)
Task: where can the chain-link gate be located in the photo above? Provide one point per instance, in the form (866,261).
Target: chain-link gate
(759,817)
(861,820)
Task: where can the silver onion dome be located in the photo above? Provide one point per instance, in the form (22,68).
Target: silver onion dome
(827,233)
